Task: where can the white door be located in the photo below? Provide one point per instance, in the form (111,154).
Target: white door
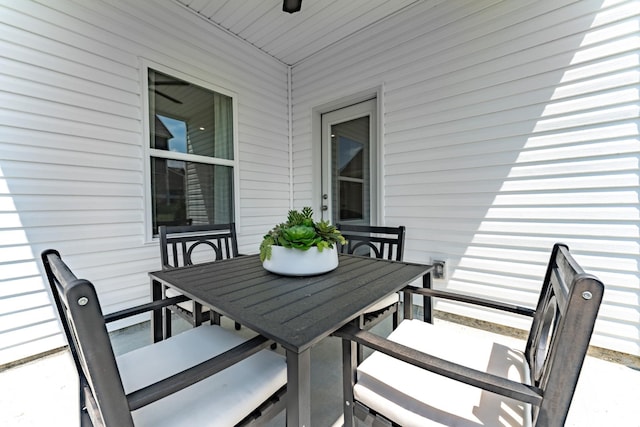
(349,164)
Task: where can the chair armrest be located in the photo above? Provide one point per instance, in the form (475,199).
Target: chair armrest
(199,372)
(490,382)
(154,305)
(512,308)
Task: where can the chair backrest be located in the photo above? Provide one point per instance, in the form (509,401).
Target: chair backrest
(187,245)
(82,320)
(560,334)
(381,242)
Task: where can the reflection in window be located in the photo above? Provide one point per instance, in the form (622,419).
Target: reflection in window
(195,125)
(350,161)
(171,134)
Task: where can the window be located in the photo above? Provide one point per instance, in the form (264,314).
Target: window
(191,153)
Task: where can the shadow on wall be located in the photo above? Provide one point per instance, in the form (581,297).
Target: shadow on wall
(28,322)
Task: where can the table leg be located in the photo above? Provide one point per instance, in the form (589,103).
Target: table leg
(349,376)
(156,315)
(299,388)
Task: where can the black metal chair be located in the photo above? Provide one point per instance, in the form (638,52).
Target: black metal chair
(379,242)
(425,375)
(205,376)
(188,245)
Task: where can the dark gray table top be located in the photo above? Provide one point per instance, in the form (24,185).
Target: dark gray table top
(296,312)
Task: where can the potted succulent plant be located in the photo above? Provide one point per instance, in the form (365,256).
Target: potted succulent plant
(301,246)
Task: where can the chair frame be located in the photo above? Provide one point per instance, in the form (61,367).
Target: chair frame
(561,329)
(385,243)
(103,401)
(380,239)
(187,237)
(176,246)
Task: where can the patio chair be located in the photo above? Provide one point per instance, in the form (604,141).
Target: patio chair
(188,245)
(425,375)
(379,242)
(205,376)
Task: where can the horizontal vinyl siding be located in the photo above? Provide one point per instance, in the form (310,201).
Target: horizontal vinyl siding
(72,146)
(507,126)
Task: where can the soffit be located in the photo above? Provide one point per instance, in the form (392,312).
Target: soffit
(291,38)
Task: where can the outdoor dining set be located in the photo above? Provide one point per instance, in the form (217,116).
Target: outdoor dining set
(211,375)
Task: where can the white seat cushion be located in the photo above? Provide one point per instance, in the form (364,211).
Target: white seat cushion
(223,399)
(187,305)
(384,303)
(412,396)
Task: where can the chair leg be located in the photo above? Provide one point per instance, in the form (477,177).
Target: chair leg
(166,316)
(359,347)
(214,317)
(85,419)
(198,317)
(396,317)
(360,353)
(167,323)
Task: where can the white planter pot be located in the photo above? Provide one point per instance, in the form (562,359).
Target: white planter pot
(295,262)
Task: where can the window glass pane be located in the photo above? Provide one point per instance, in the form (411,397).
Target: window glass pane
(188,118)
(351,206)
(190,193)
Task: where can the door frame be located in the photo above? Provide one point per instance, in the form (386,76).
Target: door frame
(377,218)
(362,109)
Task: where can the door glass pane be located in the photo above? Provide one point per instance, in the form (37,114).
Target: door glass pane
(350,171)
(351,203)
(350,157)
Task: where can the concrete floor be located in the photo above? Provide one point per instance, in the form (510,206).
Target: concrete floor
(44,392)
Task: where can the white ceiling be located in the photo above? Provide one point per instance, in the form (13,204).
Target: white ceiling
(293,37)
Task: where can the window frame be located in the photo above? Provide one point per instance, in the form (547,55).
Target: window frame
(149,152)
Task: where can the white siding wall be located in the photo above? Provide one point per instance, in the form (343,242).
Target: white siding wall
(72,146)
(508,126)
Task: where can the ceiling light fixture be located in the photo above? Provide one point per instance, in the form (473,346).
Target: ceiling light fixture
(291,6)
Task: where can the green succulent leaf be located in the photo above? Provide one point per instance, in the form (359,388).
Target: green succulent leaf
(301,232)
(265,247)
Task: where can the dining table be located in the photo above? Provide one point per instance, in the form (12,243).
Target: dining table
(296,312)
